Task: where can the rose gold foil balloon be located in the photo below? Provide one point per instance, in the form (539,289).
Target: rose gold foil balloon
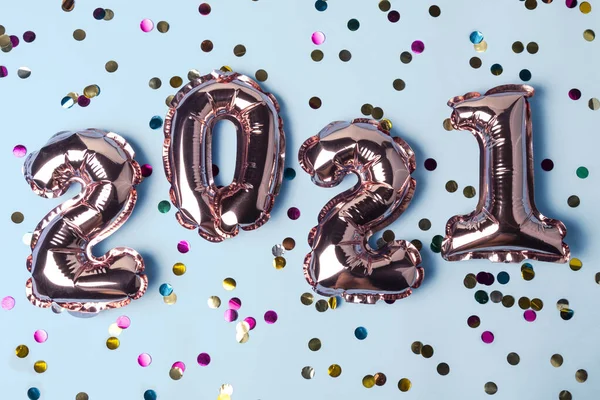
(63,269)
(218,213)
(506,226)
(341,261)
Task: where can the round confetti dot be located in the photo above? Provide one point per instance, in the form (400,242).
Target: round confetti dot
(3,71)
(473,321)
(156,122)
(589,35)
(251,322)
(424,224)
(582,172)
(150,395)
(529,315)
(27,238)
(270,317)
(503,277)
(481,296)
(469,192)
(430,164)
(581,375)
(40,366)
(33,393)
(28,36)
(474,62)
(393,16)
(322,305)
(476,37)
(155,83)
(574,94)
(470,281)
(123,322)
(82,396)
(481,47)
(561,304)
(334,370)
(175,82)
(404,385)
(144,360)
(527,272)
(99,13)
(261,75)
(40,336)
(235,303)
(165,289)
(229,284)
(83,101)
(361,333)
(513,358)
(416,347)
(164,206)
(508,301)
(496,69)
(380,379)
(314,344)
(518,47)
(24,72)
(556,360)
(8,303)
(377,113)
(204,9)
(79,34)
(385,124)
(22,351)
(353,24)
(399,84)
(315,103)
(293,213)
(427,351)
(532,47)
(594,104)
(214,302)
(307,299)
(114,330)
(368,381)
(239,50)
(176,373)
(405,57)
(279,263)
(170,299)
(19,151)
(179,269)
(109,14)
(435,11)
(525,75)
(321,5)
(180,365)
(17,217)
(203,359)
(112,343)
(487,337)
(547,165)
(308,372)
(531,4)
(318,38)
(417,47)
(317,55)
(537,304)
(573,201)
(146,25)
(91,91)
(566,314)
(571,3)
(277,250)
(443,369)
(585,7)
(451,186)
(490,388)
(206,46)
(183,246)
(345,55)
(524,303)
(111,66)
(575,264)
(565,395)
(289,174)
(384,5)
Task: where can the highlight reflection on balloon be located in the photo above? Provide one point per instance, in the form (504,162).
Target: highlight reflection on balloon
(341,261)
(64,272)
(219,212)
(506,225)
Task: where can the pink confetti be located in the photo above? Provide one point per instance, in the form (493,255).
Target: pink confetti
(487,337)
(417,47)
(180,365)
(231,315)
(318,38)
(251,322)
(147,25)
(40,336)
(146,170)
(19,151)
(529,315)
(144,359)
(235,303)
(203,359)
(183,246)
(123,322)
(270,317)
(8,303)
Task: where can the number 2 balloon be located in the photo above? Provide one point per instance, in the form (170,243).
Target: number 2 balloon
(219,212)
(506,225)
(63,269)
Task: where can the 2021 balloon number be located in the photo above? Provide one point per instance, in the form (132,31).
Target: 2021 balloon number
(63,270)
(341,262)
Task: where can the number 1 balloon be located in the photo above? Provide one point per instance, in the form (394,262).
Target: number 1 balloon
(216,212)
(63,269)
(341,261)
(506,225)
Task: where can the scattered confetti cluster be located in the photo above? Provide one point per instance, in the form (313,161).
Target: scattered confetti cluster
(259,296)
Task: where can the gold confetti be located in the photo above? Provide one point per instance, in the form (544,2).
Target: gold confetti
(490,388)
(176,373)
(307,298)
(556,360)
(575,264)
(179,269)
(22,351)
(481,47)
(170,299)
(112,343)
(368,381)
(79,35)
(416,347)
(40,366)
(91,91)
(333,302)
(537,304)
(404,384)
(229,284)
(82,396)
(581,375)
(524,303)
(111,66)
(279,263)
(334,370)
(162,26)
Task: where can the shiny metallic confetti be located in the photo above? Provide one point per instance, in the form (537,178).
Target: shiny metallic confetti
(229,284)
(322,305)
(490,388)
(40,366)
(556,360)
(314,344)
(22,351)
(334,370)
(513,358)
(307,298)
(404,384)
(308,372)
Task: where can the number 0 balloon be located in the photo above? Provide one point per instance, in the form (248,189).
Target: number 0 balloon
(218,213)
(506,225)
(341,261)
(63,269)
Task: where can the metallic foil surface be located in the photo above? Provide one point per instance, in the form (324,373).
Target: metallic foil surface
(246,202)
(63,269)
(341,262)
(506,225)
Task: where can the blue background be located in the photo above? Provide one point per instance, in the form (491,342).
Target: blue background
(277,37)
